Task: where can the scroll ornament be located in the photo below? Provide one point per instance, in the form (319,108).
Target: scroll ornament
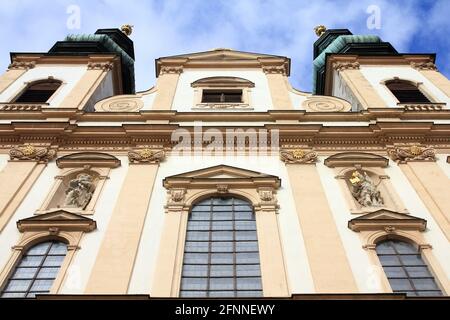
(298,156)
(146,156)
(29,152)
(413,153)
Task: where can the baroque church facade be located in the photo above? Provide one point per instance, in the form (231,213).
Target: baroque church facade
(223,180)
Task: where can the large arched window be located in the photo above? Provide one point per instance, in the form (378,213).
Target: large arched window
(36,270)
(221,255)
(405,269)
(39,91)
(406,92)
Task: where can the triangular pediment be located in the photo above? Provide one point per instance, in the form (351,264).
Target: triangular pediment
(59,219)
(220,173)
(223,54)
(386,218)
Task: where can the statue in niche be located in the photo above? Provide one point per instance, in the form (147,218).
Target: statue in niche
(79,192)
(364,190)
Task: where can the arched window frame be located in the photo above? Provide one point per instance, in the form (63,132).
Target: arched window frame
(226,84)
(383,225)
(28,84)
(419,85)
(186,189)
(96,164)
(60,226)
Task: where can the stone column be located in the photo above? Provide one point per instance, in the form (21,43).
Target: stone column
(429,71)
(86,86)
(113,267)
(276,77)
(330,268)
(166,85)
(17,178)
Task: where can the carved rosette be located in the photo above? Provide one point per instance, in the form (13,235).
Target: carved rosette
(326,104)
(298,156)
(274,70)
(413,153)
(341,66)
(22,65)
(177,195)
(146,156)
(106,66)
(29,152)
(171,70)
(424,66)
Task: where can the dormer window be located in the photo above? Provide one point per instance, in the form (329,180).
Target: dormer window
(222,96)
(39,91)
(222,93)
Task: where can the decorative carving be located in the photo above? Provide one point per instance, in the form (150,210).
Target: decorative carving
(298,156)
(177,195)
(422,107)
(319,30)
(79,192)
(24,65)
(29,152)
(146,156)
(171,70)
(266,194)
(106,66)
(424,65)
(389,229)
(222,188)
(127,29)
(326,104)
(213,105)
(413,153)
(364,190)
(340,66)
(20,107)
(125,103)
(274,69)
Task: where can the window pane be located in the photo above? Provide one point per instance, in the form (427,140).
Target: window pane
(429,293)
(221,283)
(194,216)
(196,258)
(222,201)
(58,248)
(222,247)
(222,294)
(246,246)
(395,272)
(246,257)
(385,248)
(222,225)
(414,260)
(195,270)
(222,235)
(400,284)
(199,225)
(248,270)
(193,294)
(417,272)
(13,295)
(222,271)
(53,261)
(196,246)
(245,225)
(18,285)
(403,247)
(249,284)
(424,284)
(222,258)
(39,249)
(42,285)
(31,261)
(222,208)
(249,294)
(390,260)
(194,283)
(222,216)
(49,273)
(24,273)
(197,236)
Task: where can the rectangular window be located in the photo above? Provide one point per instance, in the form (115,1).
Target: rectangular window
(222,96)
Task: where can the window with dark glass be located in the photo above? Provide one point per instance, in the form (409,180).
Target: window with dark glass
(36,271)
(221,255)
(222,96)
(406,270)
(38,92)
(406,92)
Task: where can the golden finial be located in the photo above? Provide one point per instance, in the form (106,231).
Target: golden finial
(127,29)
(320,29)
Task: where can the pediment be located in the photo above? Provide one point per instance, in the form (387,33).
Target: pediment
(349,159)
(93,159)
(386,218)
(60,219)
(220,174)
(222,54)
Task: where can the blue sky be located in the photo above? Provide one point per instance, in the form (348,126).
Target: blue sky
(278,27)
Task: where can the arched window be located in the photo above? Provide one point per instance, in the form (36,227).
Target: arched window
(406,92)
(405,269)
(221,255)
(36,270)
(39,91)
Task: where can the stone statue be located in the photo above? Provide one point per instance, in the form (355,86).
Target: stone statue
(364,190)
(79,192)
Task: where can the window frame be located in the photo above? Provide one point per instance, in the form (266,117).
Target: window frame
(28,84)
(419,85)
